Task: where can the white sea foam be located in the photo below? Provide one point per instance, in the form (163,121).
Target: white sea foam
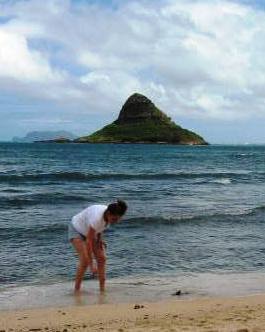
(223,181)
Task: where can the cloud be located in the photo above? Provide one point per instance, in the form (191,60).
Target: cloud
(197,59)
(21,64)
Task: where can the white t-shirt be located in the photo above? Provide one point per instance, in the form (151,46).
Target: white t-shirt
(93,217)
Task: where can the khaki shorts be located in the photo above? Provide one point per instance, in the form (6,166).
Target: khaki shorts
(73,233)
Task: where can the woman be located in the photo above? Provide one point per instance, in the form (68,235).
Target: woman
(85,233)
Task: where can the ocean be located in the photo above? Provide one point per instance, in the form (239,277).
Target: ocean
(195,223)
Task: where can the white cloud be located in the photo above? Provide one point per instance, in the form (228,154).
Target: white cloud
(90,59)
(201,59)
(17,62)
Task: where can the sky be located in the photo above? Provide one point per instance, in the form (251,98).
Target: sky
(71,64)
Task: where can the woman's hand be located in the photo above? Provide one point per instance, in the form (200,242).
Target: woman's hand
(93,269)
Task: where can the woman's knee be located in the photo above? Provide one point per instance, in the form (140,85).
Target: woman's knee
(84,262)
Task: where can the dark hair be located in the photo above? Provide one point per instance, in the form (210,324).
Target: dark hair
(118,208)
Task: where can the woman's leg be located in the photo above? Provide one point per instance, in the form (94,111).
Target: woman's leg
(99,253)
(81,249)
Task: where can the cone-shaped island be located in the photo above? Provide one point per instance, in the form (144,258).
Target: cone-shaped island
(140,121)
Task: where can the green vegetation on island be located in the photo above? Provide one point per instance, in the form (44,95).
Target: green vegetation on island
(140,121)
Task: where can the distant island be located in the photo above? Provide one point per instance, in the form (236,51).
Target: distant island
(140,121)
(46,136)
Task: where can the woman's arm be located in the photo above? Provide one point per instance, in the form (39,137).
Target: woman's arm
(91,235)
(101,242)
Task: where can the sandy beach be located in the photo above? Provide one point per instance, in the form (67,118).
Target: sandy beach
(239,314)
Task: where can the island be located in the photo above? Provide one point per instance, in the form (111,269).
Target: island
(61,136)
(56,140)
(140,121)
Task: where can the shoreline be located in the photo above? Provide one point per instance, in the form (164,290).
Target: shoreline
(134,289)
(242,314)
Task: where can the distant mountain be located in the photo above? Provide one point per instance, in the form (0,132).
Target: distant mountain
(140,121)
(35,136)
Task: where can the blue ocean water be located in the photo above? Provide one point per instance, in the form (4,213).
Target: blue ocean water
(193,211)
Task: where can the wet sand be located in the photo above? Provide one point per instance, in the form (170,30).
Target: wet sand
(241,314)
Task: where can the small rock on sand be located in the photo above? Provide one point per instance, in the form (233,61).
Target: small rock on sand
(138,306)
(177,292)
